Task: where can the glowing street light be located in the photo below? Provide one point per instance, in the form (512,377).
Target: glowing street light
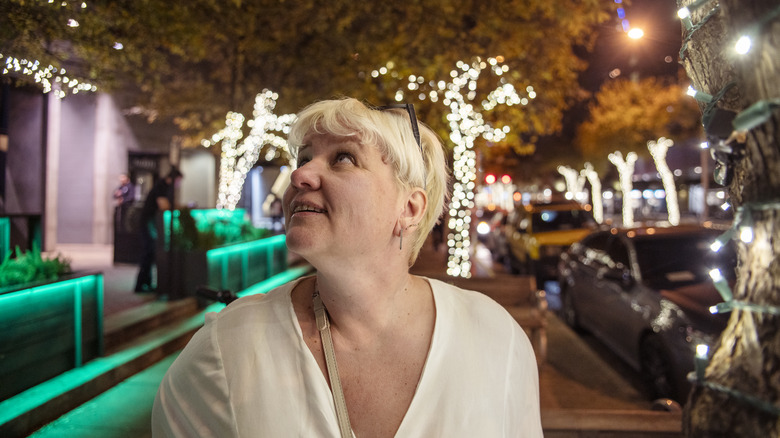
(636,33)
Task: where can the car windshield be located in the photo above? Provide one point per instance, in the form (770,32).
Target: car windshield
(673,262)
(559,220)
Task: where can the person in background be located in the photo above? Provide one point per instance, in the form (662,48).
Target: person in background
(361,347)
(160,198)
(123,195)
(276,212)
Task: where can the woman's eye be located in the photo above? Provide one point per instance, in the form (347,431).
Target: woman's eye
(344,157)
(301,162)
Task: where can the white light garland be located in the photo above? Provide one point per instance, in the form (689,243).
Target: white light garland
(238,158)
(50,78)
(658,150)
(625,168)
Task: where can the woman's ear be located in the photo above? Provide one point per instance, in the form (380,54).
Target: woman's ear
(415,206)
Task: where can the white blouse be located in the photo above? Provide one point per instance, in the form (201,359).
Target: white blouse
(248,372)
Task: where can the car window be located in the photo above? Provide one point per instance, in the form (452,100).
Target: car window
(673,262)
(618,252)
(559,220)
(594,249)
(598,241)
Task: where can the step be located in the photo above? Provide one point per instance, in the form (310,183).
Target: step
(171,327)
(125,326)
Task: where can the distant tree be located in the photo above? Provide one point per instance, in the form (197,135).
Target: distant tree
(741,388)
(625,115)
(195,61)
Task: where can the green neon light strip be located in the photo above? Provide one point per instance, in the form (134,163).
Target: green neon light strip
(78,339)
(99,304)
(39,395)
(222,258)
(5,236)
(273,241)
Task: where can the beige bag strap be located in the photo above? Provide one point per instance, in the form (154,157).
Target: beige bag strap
(333,371)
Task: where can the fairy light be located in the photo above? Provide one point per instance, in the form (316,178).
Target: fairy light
(701,359)
(684,14)
(721,285)
(658,150)
(743,45)
(746,227)
(466,124)
(699,95)
(747,36)
(625,168)
(238,158)
(49,78)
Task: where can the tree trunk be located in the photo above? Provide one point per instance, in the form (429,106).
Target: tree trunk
(747,359)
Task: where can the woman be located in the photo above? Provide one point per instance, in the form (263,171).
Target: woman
(410,356)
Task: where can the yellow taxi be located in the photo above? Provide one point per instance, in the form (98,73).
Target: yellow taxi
(537,234)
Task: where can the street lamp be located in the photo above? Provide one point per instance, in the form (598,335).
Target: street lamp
(636,33)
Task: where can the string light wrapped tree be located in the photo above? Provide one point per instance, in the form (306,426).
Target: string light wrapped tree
(737,394)
(595,191)
(625,168)
(625,114)
(575,182)
(238,158)
(464,114)
(658,150)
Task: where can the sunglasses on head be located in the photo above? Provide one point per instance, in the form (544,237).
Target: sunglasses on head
(412,116)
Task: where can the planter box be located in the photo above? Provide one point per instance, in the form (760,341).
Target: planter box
(233,267)
(49,328)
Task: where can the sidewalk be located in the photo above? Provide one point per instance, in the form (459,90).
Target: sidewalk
(572,378)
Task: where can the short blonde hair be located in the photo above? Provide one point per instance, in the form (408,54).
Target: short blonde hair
(391,131)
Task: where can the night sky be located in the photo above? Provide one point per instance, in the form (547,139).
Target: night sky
(656,54)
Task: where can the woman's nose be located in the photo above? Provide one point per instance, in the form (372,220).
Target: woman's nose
(306,176)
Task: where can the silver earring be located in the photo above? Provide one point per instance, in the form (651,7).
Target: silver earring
(401,244)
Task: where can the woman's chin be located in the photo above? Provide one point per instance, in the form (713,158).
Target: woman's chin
(300,243)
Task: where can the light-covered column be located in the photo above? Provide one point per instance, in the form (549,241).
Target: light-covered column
(625,168)
(658,150)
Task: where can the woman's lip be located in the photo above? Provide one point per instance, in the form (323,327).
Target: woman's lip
(305,207)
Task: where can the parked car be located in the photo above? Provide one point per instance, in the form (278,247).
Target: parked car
(646,293)
(490,225)
(537,234)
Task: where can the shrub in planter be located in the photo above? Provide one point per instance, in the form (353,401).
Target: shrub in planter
(213,231)
(31,267)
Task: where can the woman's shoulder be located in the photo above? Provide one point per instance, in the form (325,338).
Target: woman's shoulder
(468,306)
(466,314)
(450,293)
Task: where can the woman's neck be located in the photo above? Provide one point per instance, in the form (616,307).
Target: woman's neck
(362,306)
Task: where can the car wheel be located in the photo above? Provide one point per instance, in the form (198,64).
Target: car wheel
(656,368)
(568,311)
